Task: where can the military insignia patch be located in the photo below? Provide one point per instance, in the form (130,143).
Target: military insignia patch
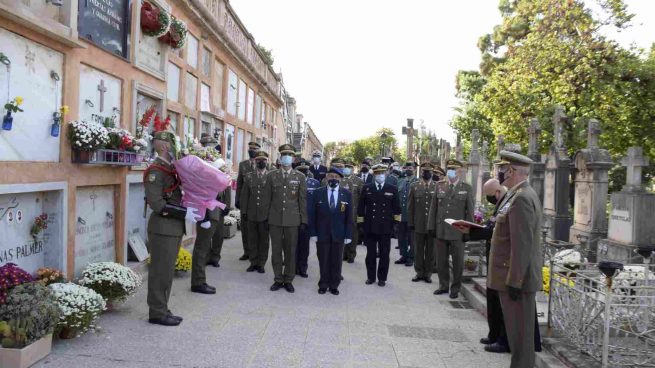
(388,194)
(152,178)
(462,192)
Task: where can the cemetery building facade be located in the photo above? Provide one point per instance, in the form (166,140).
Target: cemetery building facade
(95,57)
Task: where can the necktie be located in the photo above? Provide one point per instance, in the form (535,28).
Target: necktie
(379,187)
(285,176)
(333,204)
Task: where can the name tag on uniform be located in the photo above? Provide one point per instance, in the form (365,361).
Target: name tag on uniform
(462,192)
(295,182)
(388,194)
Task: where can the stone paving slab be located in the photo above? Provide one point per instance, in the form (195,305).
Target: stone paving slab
(245,325)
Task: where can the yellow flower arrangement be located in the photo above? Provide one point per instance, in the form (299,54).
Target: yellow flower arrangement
(545,273)
(183,262)
(64,110)
(18,100)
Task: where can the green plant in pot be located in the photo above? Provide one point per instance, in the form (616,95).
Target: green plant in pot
(29,314)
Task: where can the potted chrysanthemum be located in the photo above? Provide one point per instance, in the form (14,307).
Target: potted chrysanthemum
(113,281)
(80,308)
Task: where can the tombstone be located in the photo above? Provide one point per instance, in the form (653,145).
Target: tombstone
(100,96)
(591,185)
(459,150)
(151,54)
(538,170)
(95,235)
(106,24)
(474,167)
(34,72)
(445,154)
(631,221)
(500,146)
(137,219)
(556,183)
(18,212)
(409,132)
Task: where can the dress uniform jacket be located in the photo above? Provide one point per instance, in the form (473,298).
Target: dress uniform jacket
(286,199)
(419,202)
(158,184)
(455,203)
(355,185)
(318,172)
(312,184)
(366,178)
(404,185)
(245,167)
(515,258)
(253,196)
(378,209)
(392,179)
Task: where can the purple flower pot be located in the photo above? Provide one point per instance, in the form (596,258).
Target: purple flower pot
(7,121)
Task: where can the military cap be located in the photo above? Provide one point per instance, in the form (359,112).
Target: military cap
(349,163)
(261,155)
(386,160)
(298,153)
(453,164)
(439,170)
(287,149)
(512,158)
(337,162)
(316,153)
(410,164)
(426,166)
(164,135)
(379,168)
(205,138)
(254,145)
(335,170)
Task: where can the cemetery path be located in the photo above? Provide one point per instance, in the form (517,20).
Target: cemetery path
(245,325)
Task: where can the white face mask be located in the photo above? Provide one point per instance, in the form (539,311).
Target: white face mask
(379,178)
(451,174)
(316,160)
(347,171)
(286,161)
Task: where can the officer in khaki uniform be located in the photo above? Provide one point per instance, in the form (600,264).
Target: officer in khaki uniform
(253,202)
(515,256)
(354,184)
(219,235)
(418,214)
(405,235)
(245,167)
(165,226)
(454,200)
(285,195)
(437,175)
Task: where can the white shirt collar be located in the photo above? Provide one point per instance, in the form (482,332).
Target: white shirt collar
(381,185)
(336,193)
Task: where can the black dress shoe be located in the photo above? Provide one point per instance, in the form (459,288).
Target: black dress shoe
(165,321)
(170,314)
(289,287)
(213,263)
(401,261)
(439,292)
(276,286)
(244,257)
(381,283)
(496,348)
(454,294)
(427,279)
(369,282)
(322,291)
(334,291)
(251,269)
(304,275)
(417,279)
(260,269)
(203,289)
(486,341)
(351,261)
(409,264)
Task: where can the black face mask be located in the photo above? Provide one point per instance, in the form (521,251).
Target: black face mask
(501,177)
(251,153)
(492,199)
(261,164)
(427,175)
(333,183)
(409,173)
(436,177)
(364,169)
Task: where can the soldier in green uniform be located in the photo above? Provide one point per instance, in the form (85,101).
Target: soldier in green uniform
(454,200)
(285,195)
(418,214)
(165,227)
(253,205)
(354,184)
(219,234)
(245,167)
(438,174)
(405,235)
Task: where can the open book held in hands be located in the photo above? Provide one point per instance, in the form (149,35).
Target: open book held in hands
(462,223)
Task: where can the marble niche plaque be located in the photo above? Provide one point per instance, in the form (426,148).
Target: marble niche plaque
(17,245)
(100,96)
(29,77)
(583,203)
(95,237)
(549,190)
(150,53)
(137,223)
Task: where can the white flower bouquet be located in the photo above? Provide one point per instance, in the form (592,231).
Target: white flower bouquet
(113,281)
(85,136)
(235,214)
(80,308)
(229,221)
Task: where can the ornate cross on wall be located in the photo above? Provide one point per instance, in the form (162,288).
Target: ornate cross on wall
(559,118)
(102,89)
(409,132)
(500,145)
(634,162)
(533,132)
(93,197)
(593,133)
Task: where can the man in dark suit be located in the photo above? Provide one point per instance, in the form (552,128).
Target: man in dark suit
(378,211)
(330,216)
(316,168)
(365,172)
(245,167)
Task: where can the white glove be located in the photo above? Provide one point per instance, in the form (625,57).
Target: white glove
(347,241)
(314,238)
(206,225)
(192,215)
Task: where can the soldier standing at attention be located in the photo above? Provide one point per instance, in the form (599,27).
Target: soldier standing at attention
(302,250)
(437,175)
(405,236)
(364,171)
(165,226)
(515,256)
(378,210)
(354,184)
(253,202)
(316,168)
(219,234)
(420,200)
(454,200)
(285,193)
(245,167)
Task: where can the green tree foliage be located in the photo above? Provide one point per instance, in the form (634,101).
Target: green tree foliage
(268,54)
(370,146)
(551,52)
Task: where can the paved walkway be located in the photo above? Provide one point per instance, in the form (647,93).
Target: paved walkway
(245,325)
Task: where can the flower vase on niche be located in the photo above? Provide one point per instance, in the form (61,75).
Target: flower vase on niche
(7,121)
(54,128)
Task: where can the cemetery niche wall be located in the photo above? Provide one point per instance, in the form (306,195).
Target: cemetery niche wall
(32,72)
(95,234)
